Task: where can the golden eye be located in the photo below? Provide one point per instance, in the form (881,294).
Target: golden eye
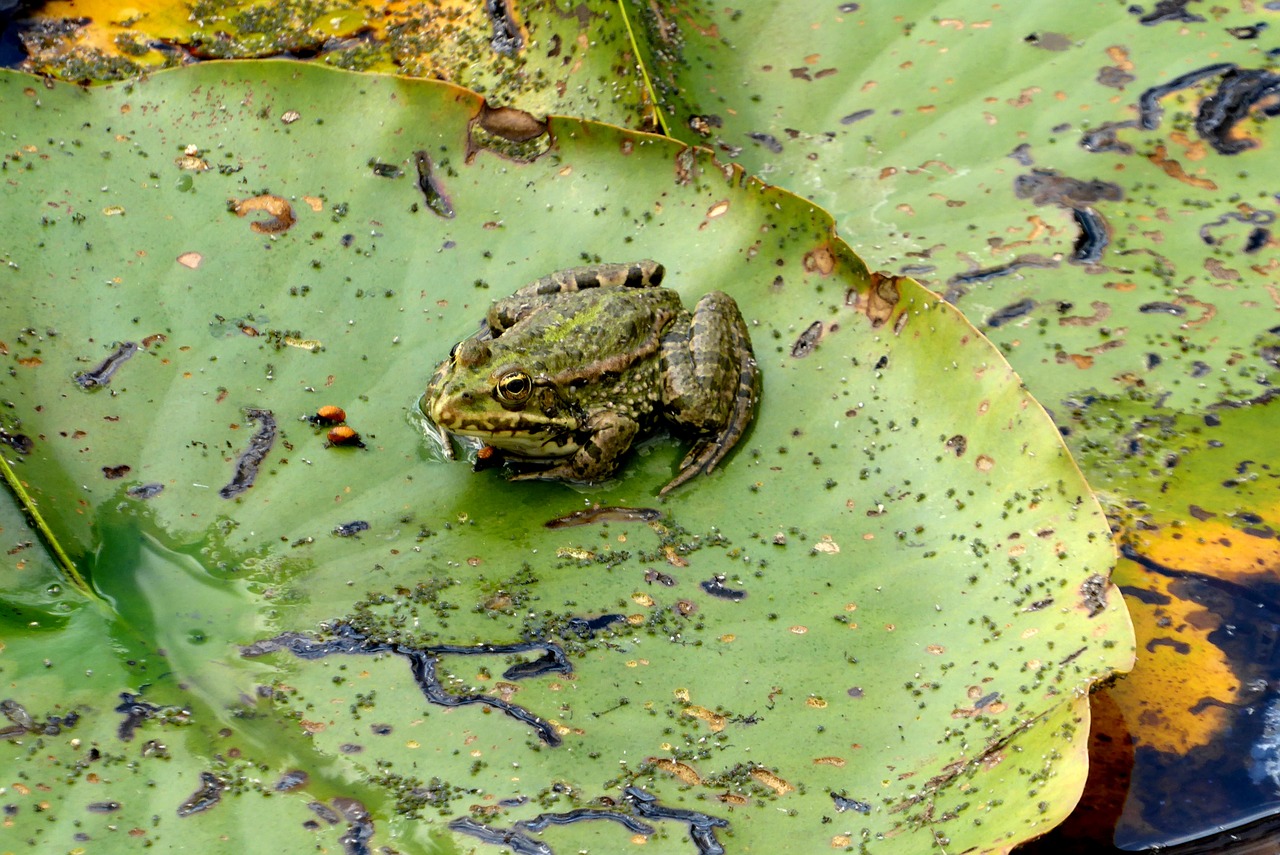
(453,352)
(514,387)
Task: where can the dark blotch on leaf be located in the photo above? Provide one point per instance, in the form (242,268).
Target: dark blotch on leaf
(325,812)
(249,462)
(1247,33)
(545,820)
(1049,187)
(19,442)
(136,711)
(715,587)
(1093,238)
(355,840)
(385,170)
(769,141)
(1149,109)
(1093,593)
(587,627)
(437,200)
(856,116)
(1161,307)
(702,827)
(1166,10)
(350,529)
(209,794)
(1238,92)
(808,340)
(515,840)
(144,491)
(958,285)
(844,803)
(1011,312)
(292,780)
(101,375)
(423,663)
(552,661)
(506,32)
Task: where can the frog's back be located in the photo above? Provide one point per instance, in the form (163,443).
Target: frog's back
(594,332)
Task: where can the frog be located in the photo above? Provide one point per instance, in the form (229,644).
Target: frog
(563,377)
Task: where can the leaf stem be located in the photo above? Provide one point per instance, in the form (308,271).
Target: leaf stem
(46,534)
(644,70)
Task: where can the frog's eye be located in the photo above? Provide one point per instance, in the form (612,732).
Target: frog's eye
(453,352)
(513,388)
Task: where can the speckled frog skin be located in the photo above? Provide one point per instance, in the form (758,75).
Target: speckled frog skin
(568,372)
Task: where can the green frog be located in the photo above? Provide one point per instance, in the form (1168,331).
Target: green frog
(567,373)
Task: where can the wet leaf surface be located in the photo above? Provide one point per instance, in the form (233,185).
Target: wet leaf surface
(1091,186)
(872,626)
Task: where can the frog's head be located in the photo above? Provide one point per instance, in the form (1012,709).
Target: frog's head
(483,391)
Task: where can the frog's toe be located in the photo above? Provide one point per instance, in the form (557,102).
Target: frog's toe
(703,457)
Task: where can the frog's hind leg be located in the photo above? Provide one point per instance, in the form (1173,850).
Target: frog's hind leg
(507,312)
(713,383)
(641,274)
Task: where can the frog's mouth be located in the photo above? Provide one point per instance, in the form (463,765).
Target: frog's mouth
(526,444)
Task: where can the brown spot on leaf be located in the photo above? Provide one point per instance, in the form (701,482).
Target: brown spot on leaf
(878,301)
(280,211)
(714,720)
(1207,315)
(1119,54)
(1101,311)
(1200,513)
(820,260)
(510,123)
(772,781)
(1172,168)
(687,774)
(1218,270)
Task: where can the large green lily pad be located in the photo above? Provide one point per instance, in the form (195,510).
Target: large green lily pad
(925,572)
(1089,184)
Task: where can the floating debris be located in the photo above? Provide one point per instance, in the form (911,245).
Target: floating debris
(101,376)
(249,462)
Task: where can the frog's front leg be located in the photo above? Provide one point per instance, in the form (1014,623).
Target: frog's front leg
(505,313)
(711,382)
(608,436)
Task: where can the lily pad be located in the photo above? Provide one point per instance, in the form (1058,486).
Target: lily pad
(1088,186)
(872,627)
(541,56)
